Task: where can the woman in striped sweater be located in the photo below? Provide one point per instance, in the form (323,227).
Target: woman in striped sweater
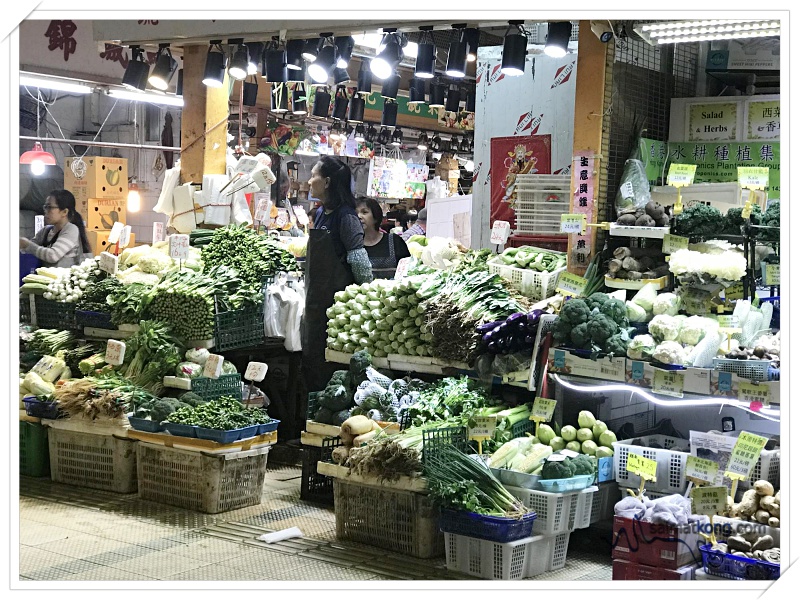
(62,242)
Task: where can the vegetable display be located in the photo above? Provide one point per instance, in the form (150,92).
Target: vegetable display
(598,323)
(69,284)
(223,413)
(152,353)
(95,295)
(591,437)
(517,333)
(698,220)
(107,396)
(535,259)
(127,303)
(652,215)
(450,397)
(635,264)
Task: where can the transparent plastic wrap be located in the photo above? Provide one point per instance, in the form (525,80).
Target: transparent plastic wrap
(703,354)
(634,188)
(511,363)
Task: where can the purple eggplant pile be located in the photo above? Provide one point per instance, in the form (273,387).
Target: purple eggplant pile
(517,333)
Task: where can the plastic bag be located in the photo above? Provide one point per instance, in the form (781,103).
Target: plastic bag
(634,189)
(274,324)
(228,368)
(189,370)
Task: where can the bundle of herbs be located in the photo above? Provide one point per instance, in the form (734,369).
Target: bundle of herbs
(95,294)
(151,353)
(127,303)
(107,396)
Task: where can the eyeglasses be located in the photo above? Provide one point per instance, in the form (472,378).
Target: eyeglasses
(47,207)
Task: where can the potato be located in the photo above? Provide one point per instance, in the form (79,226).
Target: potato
(778,497)
(764,488)
(774,522)
(774,510)
(762,517)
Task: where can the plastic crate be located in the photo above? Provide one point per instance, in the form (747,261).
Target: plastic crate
(540,202)
(768,467)
(549,242)
(608,494)
(395,520)
(520,428)
(312,406)
(434,440)
(222,436)
(536,285)
(39,409)
(753,370)
(495,529)
(268,427)
(55,315)
(671,465)
(25,308)
(34,456)
(313,486)
(90,318)
(721,564)
(584,507)
(98,461)
(181,430)
(555,513)
(211,389)
(209,483)
(243,328)
(568,484)
(145,425)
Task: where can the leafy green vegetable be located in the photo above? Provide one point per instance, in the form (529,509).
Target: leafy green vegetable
(698,220)
(152,352)
(95,294)
(127,303)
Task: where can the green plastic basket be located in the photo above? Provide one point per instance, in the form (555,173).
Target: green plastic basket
(55,315)
(312,405)
(243,328)
(434,440)
(34,453)
(211,389)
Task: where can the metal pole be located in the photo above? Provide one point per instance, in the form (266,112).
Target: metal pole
(100,144)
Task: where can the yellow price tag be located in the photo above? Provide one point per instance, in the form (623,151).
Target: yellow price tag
(641,466)
(484,428)
(701,469)
(573,223)
(673,243)
(570,285)
(735,292)
(543,409)
(753,178)
(773,274)
(681,175)
(754,392)
(744,456)
(729,324)
(709,500)
(669,383)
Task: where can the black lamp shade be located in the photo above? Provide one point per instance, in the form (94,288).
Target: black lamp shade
(426,61)
(364,79)
(340,104)
(296,74)
(322,103)
(135,77)
(214,73)
(249,93)
(274,68)
(163,71)
(453,99)
(344,46)
(340,76)
(299,104)
(357,104)
(457,56)
(294,54)
(384,136)
(437,95)
(472,37)
(310,50)
(372,133)
(416,91)
(383,65)
(238,67)
(470,103)
(179,87)
(280,98)
(390,86)
(320,70)
(389,117)
(557,38)
(360,133)
(514,52)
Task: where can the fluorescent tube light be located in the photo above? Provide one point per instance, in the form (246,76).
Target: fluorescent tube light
(55,84)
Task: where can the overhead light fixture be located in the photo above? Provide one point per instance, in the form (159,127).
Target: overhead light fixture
(422,141)
(216,63)
(152,98)
(472,37)
(397,137)
(457,53)
(294,54)
(515,48)
(311,49)
(389,116)
(274,65)
(469,166)
(416,91)
(340,76)
(436,143)
(335,129)
(55,84)
(357,105)
(364,79)
(344,45)
(322,102)
(372,133)
(134,199)
(425,67)
(390,87)
(280,98)
(296,74)
(137,71)
(239,62)
(384,64)
(453,99)
(557,38)
(437,93)
(254,51)
(384,137)
(164,69)
(673,32)
(359,133)
(299,104)
(179,86)
(320,70)
(37,159)
(250,92)
(340,103)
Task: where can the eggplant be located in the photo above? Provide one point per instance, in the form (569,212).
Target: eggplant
(487,337)
(529,340)
(487,327)
(493,348)
(502,329)
(516,318)
(532,320)
(522,327)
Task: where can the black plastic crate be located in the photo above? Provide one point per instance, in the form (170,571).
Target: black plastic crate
(55,315)
(25,308)
(315,487)
(225,385)
(243,328)
(91,318)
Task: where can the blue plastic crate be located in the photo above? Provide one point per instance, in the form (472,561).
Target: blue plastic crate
(721,564)
(145,425)
(495,529)
(223,436)
(248,432)
(268,427)
(181,430)
(42,410)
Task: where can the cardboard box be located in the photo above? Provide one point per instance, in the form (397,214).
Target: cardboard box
(104,212)
(98,240)
(654,544)
(608,369)
(623,570)
(105,177)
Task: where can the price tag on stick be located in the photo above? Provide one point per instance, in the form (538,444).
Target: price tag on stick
(680,176)
(108,262)
(701,470)
(500,232)
(773,274)
(573,223)
(256,371)
(483,430)
(179,246)
(213,366)
(643,467)
(709,500)
(570,285)
(542,412)
(116,231)
(746,452)
(115,352)
(673,243)
(125,237)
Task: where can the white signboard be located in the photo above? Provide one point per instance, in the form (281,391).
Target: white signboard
(108,262)
(115,352)
(159,232)
(179,246)
(125,237)
(38,224)
(500,232)
(213,366)
(256,371)
(116,232)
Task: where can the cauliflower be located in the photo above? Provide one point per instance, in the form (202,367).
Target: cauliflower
(694,328)
(666,304)
(641,347)
(664,328)
(155,263)
(136,275)
(669,353)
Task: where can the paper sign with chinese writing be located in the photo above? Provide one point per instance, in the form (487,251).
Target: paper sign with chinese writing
(256,371)
(735,292)
(709,500)
(179,246)
(746,453)
(753,178)
(644,467)
(159,232)
(764,120)
(484,428)
(300,213)
(500,232)
(283,218)
(728,324)
(753,392)
(38,223)
(584,167)
(573,223)
(108,262)
(125,236)
(773,274)
(570,285)
(701,469)
(115,352)
(542,409)
(681,175)
(116,231)
(669,383)
(673,243)
(262,209)
(402,268)
(213,366)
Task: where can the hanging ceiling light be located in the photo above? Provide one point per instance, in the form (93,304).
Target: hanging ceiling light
(164,69)
(340,103)
(320,70)
(296,74)
(344,45)
(364,79)
(437,93)
(390,87)
(472,36)
(216,62)
(274,66)
(389,116)
(239,62)
(674,32)
(254,51)
(416,91)
(457,53)
(250,92)
(280,98)
(372,133)
(322,102)
(134,199)
(294,54)
(436,143)
(384,64)
(557,38)
(299,104)
(335,130)
(37,159)
(357,105)
(422,141)
(397,137)
(340,76)
(515,48)
(359,133)
(135,77)
(425,67)
(453,99)
(384,136)
(311,49)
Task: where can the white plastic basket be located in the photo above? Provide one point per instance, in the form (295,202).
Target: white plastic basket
(670,472)
(536,285)
(556,512)
(523,558)
(585,507)
(540,202)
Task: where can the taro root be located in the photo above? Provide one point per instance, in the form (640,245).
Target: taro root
(737,542)
(628,219)
(645,221)
(765,542)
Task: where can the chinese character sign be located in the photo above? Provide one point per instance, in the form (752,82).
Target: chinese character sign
(60,34)
(583,202)
(764,120)
(745,454)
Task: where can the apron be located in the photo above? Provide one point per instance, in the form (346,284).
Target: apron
(385,267)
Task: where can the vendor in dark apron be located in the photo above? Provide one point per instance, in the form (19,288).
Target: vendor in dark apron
(385,250)
(335,258)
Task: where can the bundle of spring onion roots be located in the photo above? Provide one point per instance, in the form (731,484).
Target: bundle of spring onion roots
(108,396)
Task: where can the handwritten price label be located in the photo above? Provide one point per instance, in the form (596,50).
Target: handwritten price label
(500,232)
(709,500)
(746,453)
(570,285)
(573,223)
(641,466)
(402,268)
(159,232)
(38,224)
(673,243)
(701,469)
(262,209)
(256,371)
(108,262)
(773,275)
(115,352)
(484,428)
(543,409)
(669,383)
(116,231)
(753,178)
(179,246)
(754,392)
(213,366)
(681,175)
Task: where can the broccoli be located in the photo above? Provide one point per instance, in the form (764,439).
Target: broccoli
(617,310)
(191,399)
(358,367)
(338,377)
(601,327)
(334,397)
(617,344)
(597,300)
(562,330)
(575,311)
(556,469)
(771,218)
(582,465)
(164,407)
(580,336)
(698,220)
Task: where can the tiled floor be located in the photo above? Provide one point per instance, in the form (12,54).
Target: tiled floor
(76,534)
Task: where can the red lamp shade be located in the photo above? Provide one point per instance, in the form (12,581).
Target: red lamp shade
(37,154)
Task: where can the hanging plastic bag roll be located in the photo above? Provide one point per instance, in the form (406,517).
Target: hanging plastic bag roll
(171,179)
